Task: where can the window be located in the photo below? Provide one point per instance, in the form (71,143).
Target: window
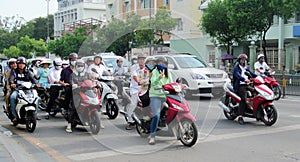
(111,9)
(127,6)
(75,16)
(297,17)
(145,4)
(190,62)
(171,62)
(166,3)
(179,24)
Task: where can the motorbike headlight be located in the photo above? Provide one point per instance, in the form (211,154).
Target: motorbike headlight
(198,76)
(225,76)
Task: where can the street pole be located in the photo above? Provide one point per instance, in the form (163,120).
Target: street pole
(48,30)
(150,50)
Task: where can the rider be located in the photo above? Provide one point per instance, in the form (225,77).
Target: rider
(160,76)
(43,73)
(98,66)
(34,67)
(54,76)
(138,77)
(261,66)
(240,83)
(12,63)
(18,76)
(118,73)
(65,81)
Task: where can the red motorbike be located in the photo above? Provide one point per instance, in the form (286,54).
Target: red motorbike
(87,103)
(271,82)
(259,102)
(175,117)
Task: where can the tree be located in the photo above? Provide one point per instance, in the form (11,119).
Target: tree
(30,47)
(13,51)
(256,16)
(216,23)
(8,39)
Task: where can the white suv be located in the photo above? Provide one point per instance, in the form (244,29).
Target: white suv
(202,79)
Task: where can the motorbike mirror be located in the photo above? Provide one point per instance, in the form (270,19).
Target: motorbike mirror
(247,73)
(179,80)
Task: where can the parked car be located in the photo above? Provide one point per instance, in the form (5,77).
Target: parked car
(201,78)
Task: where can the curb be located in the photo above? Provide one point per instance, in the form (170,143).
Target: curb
(5,131)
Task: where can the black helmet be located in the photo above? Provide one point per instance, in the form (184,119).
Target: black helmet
(21,60)
(73,55)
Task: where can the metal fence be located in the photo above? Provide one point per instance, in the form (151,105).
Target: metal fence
(292,84)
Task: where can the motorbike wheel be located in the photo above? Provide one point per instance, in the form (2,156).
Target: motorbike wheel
(269,115)
(30,121)
(232,115)
(277,92)
(112,109)
(190,135)
(141,131)
(94,123)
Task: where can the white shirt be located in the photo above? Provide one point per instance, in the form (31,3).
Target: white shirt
(243,74)
(54,75)
(141,74)
(262,67)
(99,68)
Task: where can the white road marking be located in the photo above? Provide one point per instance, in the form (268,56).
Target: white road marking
(205,138)
(295,116)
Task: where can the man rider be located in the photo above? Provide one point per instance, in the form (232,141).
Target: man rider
(119,72)
(12,63)
(54,76)
(240,83)
(98,66)
(18,76)
(65,81)
(261,66)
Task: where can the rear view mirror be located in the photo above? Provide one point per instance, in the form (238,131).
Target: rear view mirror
(171,66)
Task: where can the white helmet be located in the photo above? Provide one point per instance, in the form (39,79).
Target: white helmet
(57,62)
(260,55)
(11,60)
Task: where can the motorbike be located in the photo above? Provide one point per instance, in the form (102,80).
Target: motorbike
(45,96)
(26,106)
(175,117)
(108,91)
(87,106)
(271,82)
(259,103)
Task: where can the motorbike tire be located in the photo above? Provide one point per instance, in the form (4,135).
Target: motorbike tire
(94,123)
(190,136)
(141,131)
(270,117)
(277,92)
(229,116)
(30,121)
(112,109)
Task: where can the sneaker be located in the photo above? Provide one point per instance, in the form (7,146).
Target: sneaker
(47,116)
(128,126)
(152,141)
(101,126)
(241,121)
(69,130)
(38,118)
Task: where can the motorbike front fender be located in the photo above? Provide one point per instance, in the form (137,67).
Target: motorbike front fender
(112,96)
(181,116)
(28,108)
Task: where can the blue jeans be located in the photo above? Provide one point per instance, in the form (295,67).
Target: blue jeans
(13,102)
(155,104)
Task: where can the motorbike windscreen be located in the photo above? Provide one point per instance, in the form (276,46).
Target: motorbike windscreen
(91,93)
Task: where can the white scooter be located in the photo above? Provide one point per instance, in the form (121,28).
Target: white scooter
(26,106)
(108,91)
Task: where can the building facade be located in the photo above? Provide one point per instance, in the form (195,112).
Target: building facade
(71,11)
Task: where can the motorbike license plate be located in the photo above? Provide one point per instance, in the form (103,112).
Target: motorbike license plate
(218,84)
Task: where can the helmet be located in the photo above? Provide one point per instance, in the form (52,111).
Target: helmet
(119,59)
(65,62)
(260,55)
(45,62)
(97,56)
(73,55)
(242,56)
(21,60)
(162,59)
(151,59)
(57,62)
(79,66)
(141,56)
(11,60)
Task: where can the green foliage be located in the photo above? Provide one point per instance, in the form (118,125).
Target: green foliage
(13,51)
(7,39)
(30,47)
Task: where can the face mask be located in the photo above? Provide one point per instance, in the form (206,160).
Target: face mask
(161,67)
(79,69)
(150,67)
(72,63)
(261,60)
(57,67)
(244,63)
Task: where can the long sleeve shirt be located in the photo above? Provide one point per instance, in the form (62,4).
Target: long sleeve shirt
(157,82)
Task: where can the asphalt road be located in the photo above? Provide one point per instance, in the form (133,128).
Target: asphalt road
(219,138)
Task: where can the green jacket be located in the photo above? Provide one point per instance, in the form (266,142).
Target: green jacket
(157,82)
